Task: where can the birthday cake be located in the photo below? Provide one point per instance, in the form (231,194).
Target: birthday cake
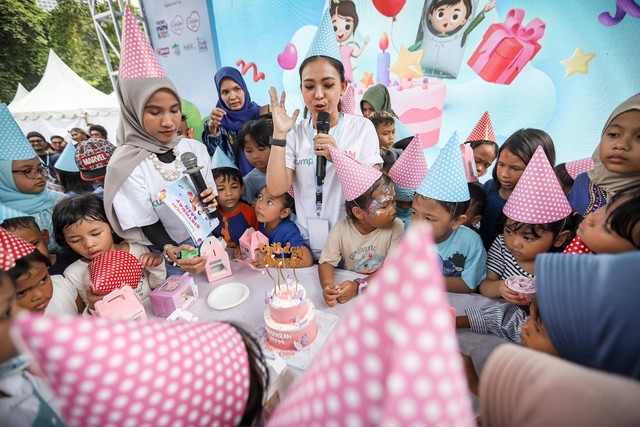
(290,317)
(418,103)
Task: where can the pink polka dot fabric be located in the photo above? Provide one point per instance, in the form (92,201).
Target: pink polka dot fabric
(349,101)
(577,246)
(137,59)
(394,359)
(12,248)
(483,130)
(356,177)
(538,197)
(576,167)
(113,270)
(109,373)
(411,167)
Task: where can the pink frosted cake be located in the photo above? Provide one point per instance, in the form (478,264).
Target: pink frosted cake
(290,318)
(418,103)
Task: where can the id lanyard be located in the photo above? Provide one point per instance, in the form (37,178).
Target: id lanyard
(336,132)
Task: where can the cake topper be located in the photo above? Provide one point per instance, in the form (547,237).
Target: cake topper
(275,256)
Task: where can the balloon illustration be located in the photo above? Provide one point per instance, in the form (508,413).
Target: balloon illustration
(288,57)
(389,8)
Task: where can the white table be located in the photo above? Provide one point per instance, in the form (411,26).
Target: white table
(250,313)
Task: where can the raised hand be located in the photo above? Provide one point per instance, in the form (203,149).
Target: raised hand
(282,122)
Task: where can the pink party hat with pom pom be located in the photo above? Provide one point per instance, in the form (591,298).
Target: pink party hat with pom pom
(137,59)
(483,130)
(394,360)
(139,373)
(537,197)
(356,177)
(349,101)
(411,167)
(576,167)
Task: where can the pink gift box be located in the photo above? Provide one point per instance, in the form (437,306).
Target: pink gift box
(121,304)
(506,48)
(218,265)
(249,243)
(178,291)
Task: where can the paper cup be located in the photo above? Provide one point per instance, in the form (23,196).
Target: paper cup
(524,286)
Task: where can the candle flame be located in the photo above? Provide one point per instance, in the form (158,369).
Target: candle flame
(384,41)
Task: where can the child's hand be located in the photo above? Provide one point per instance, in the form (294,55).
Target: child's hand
(150,260)
(509,295)
(237,253)
(348,289)
(208,198)
(260,261)
(321,144)
(92,298)
(193,265)
(330,294)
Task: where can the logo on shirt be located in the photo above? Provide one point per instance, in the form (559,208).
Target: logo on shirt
(304,162)
(454,265)
(366,259)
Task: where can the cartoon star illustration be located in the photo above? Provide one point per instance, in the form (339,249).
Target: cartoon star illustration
(578,62)
(367,79)
(408,64)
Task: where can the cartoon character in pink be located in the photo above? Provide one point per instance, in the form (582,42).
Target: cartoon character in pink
(345,22)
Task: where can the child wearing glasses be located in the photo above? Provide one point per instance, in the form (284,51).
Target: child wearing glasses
(23,177)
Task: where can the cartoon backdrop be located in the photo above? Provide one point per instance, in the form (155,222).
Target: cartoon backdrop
(558,66)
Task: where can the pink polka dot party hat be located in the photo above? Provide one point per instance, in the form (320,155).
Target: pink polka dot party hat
(576,167)
(115,373)
(538,197)
(355,176)
(411,167)
(393,360)
(137,59)
(12,248)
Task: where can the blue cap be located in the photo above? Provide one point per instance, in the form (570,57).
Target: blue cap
(13,144)
(446,180)
(67,160)
(324,42)
(221,160)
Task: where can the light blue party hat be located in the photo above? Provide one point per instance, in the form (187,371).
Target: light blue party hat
(446,180)
(13,144)
(67,161)
(6,213)
(324,42)
(221,160)
(402,132)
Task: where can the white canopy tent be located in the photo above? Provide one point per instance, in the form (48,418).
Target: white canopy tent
(21,92)
(63,100)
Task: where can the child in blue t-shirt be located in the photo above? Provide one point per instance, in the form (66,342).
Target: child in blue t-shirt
(463,256)
(273,214)
(253,140)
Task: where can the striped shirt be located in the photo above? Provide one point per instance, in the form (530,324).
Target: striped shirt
(502,262)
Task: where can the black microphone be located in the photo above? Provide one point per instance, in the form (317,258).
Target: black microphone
(323,125)
(190,162)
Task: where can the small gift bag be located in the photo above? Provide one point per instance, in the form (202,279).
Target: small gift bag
(178,291)
(217,266)
(121,304)
(250,242)
(113,270)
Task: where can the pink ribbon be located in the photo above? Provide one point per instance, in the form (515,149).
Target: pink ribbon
(512,27)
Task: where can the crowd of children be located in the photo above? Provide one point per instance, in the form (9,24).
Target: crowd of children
(483,235)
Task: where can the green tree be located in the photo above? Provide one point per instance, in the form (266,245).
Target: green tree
(23,46)
(73,37)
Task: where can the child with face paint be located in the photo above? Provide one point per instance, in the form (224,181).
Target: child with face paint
(361,241)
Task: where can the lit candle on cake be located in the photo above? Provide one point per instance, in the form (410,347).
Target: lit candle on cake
(384,60)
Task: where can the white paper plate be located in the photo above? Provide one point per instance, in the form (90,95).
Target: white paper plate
(228,295)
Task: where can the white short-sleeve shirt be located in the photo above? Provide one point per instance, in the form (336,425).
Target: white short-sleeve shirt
(137,203)
(356,137)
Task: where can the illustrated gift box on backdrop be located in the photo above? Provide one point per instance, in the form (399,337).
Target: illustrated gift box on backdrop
(507,48)
(178,291)
(250,242)
(121,304)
